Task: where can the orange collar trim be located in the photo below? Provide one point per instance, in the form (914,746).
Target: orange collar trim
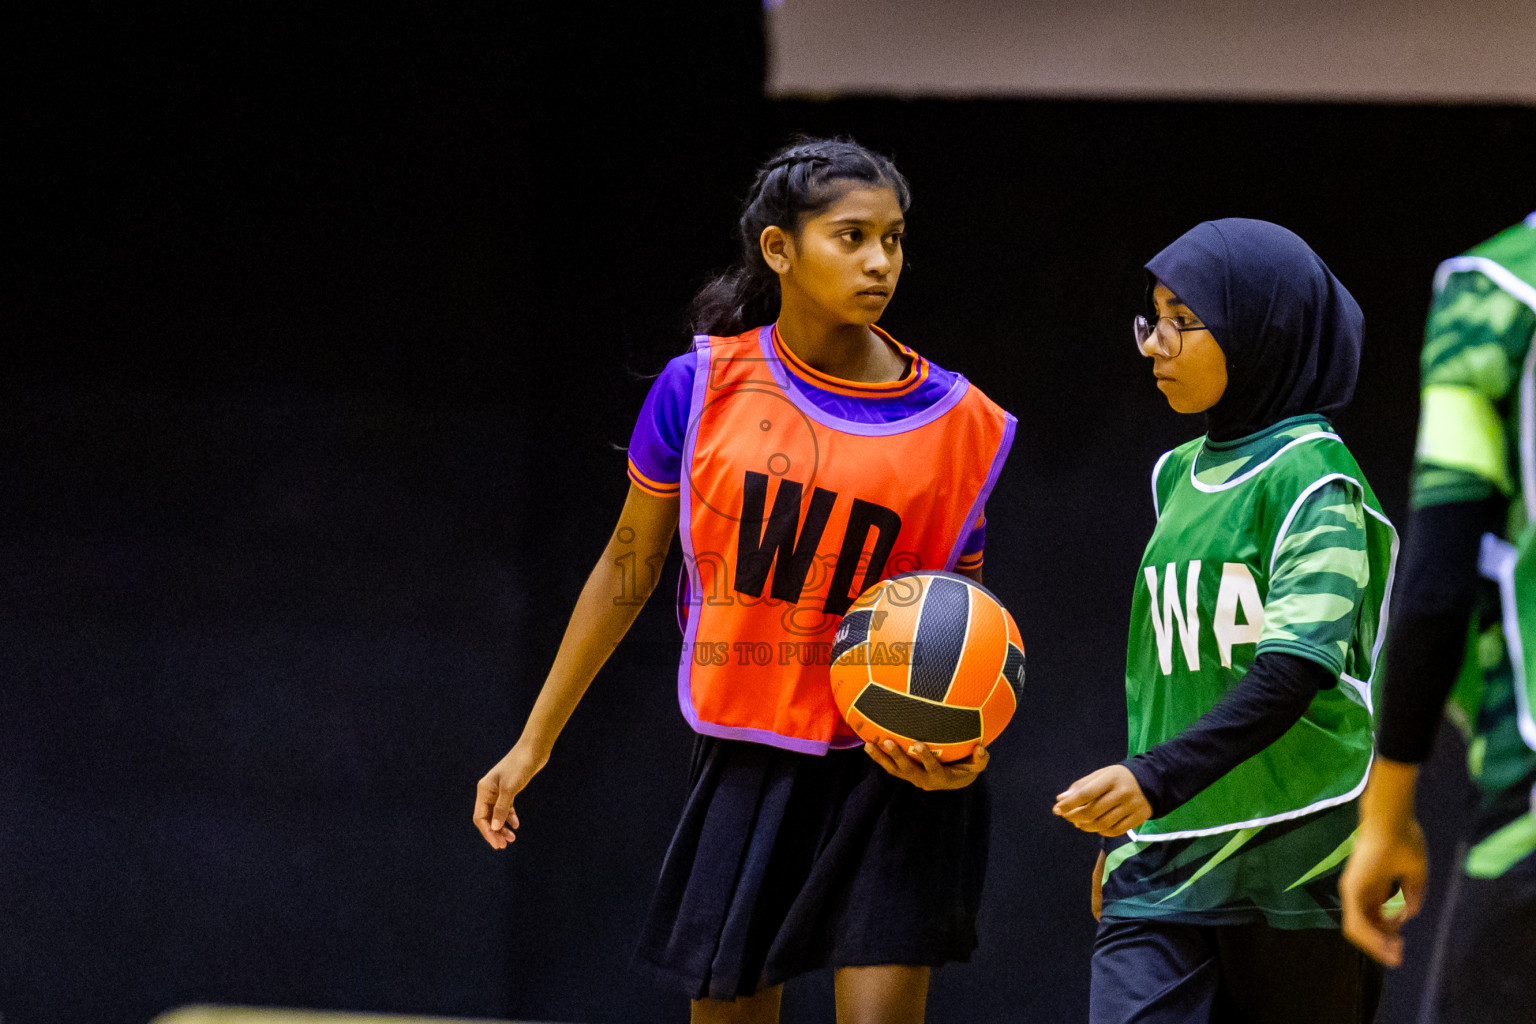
(914,378)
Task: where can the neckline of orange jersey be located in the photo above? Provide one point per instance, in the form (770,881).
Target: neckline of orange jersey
(916,374)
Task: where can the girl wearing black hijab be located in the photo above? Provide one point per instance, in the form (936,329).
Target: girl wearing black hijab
(1254,633)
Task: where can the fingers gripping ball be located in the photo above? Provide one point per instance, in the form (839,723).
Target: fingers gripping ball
(928,657)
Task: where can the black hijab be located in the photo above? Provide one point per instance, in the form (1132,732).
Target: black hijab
(1290,330)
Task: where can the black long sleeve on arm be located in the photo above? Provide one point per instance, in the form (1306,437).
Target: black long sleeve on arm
(1269,699)
(1436,589)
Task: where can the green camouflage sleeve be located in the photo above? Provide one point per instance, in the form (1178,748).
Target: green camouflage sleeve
(1318,578)
(1475,341)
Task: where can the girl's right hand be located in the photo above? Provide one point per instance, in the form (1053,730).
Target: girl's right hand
(494,815)
(599,622)
(1108,802)
(1389,856)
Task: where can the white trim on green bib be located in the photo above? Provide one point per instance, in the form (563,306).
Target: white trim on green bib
(1321,805)
(1528,433)
(1360,686)
(1247,475)
(1496,561)
(1386,603)
(1523,291)
(1495,272)
(1157,471)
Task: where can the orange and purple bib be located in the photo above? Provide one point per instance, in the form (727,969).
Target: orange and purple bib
(788,511)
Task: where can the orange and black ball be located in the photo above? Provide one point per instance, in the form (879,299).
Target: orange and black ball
(928,657)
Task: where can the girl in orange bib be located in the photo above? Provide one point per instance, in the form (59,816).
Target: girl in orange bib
(801,454)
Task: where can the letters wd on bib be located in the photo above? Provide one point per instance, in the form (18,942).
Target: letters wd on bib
(822,504)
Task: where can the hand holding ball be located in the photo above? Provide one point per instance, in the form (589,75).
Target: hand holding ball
(930,658)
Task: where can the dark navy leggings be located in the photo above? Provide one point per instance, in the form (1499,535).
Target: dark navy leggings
(1159,972)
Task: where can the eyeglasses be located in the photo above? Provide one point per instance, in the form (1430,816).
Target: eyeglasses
(1165,336)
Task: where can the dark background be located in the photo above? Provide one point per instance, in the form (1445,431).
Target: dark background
(322,340)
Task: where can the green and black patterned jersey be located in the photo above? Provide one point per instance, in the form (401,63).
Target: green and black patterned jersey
(1273,542)
(1477,440)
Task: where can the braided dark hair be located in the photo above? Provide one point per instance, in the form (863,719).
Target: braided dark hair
(798,181)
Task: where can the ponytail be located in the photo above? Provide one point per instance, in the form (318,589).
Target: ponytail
(798,181)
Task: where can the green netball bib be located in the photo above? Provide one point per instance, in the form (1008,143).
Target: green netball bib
(1226,521)
(1509,261)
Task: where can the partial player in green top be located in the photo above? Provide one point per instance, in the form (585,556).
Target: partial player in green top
(1466,629)
(1255,629)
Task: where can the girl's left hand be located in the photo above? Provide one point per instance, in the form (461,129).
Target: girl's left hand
(1109,802)
(918,765)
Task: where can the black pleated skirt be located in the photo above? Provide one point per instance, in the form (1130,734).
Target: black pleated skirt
(784,863)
